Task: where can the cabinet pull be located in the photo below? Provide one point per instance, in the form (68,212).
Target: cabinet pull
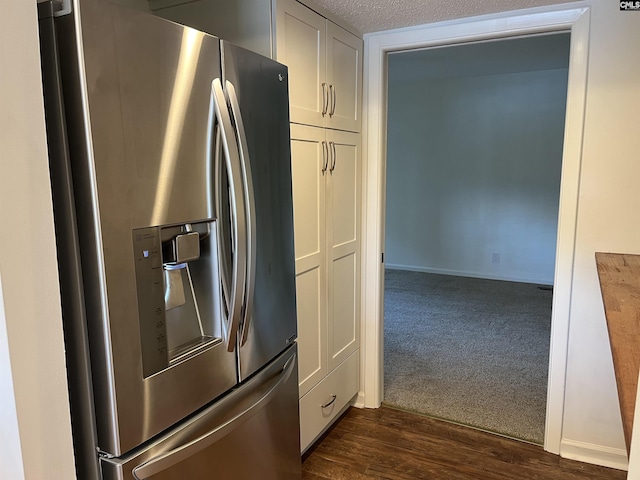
(325,99)
(333,156)
(325,157)
(332,90)
(330,402)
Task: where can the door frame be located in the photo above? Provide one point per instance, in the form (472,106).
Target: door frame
(573,18)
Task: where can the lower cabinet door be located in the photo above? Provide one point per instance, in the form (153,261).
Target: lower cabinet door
(343,246)
(324,402)
(308,170)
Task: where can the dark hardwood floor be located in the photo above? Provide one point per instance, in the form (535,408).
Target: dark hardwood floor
(390,444)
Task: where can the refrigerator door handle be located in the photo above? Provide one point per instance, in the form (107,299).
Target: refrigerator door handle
(249,198)
(239,237)
(169,459)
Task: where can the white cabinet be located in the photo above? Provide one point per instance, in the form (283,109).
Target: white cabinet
(325,401)
(326,197)
(325,91)
(325,67)
(308,156)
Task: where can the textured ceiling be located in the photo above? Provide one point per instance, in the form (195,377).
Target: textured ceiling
(376,15)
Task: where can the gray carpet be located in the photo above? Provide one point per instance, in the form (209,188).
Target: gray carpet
(468,350)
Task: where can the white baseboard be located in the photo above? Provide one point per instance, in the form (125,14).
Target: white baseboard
(596,454)
(358,401)
(461,273)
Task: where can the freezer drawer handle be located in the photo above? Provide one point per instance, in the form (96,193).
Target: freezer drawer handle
(175,456)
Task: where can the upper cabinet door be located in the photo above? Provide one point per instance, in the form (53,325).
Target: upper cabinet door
(344,76)
(325,68)
(301,45)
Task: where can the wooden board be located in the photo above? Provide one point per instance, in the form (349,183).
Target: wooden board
(619,276)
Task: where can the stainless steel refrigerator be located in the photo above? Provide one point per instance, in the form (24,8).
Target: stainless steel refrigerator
(171,177)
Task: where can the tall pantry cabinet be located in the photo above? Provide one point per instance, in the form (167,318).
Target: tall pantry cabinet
(326,195)
(325,91)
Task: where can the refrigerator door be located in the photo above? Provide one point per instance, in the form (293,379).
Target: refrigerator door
(252,433)
(140,115)
(69,268)
(257,92)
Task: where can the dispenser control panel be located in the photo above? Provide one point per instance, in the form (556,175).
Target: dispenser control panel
(151,306)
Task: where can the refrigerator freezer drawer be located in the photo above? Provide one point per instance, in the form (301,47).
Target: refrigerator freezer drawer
(251,433)
(327,400)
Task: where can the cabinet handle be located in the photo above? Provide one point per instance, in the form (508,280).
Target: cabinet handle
(325,157)
(330,402)
(332,90)
(325,99)
(333,156)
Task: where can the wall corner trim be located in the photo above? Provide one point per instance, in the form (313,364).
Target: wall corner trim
(573,17)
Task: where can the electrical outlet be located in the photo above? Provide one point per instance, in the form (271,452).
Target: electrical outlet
(495,257)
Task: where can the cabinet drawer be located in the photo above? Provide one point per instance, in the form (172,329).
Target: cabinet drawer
(342,382)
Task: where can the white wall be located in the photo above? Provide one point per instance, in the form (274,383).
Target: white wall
(608,207)
(35,429)
(473,168)
(11,465)
(604,152)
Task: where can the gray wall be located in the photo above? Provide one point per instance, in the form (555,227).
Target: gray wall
(473,169)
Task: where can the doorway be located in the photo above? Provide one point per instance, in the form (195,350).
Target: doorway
(474,155)
(377,48)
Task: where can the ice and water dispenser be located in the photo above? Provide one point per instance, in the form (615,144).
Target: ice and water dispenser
(176,278)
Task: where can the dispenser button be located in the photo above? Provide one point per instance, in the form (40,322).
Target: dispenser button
(187,247)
